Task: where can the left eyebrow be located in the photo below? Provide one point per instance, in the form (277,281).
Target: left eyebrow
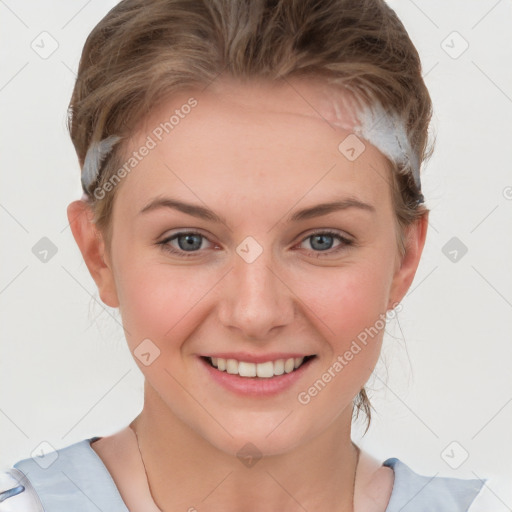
(326,208)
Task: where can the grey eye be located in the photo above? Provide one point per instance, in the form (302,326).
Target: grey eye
(191,241)
(321,242)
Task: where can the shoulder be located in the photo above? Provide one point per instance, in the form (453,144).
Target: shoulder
(421,493)
(17,493)
(70,478)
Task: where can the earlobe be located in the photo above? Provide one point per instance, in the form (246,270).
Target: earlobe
(91,244)
(415,236)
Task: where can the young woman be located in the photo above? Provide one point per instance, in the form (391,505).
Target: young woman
(252,205)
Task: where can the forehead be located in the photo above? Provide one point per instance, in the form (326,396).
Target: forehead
(254,139)
(309,97)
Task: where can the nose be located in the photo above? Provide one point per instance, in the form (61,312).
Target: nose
(256,299)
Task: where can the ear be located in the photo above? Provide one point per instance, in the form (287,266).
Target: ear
(92,246)
(415,236)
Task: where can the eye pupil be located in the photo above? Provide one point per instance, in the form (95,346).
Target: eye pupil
(189,241)
(321,238)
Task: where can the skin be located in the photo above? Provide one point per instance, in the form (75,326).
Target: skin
(253,153)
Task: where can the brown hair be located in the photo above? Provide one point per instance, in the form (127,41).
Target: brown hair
(143,51)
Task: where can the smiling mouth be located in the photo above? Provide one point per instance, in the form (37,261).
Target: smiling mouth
(264,370)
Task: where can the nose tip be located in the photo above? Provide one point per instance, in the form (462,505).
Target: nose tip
(256,301)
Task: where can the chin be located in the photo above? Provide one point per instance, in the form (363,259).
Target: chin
(252,447)
(255,439)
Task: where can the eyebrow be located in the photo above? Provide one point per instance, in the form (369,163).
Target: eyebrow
(306,213)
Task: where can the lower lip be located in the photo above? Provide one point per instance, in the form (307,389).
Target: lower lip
(256,386)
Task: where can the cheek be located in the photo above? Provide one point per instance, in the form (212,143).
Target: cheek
(348,308)
(156,300)
(159,301)
(346,300)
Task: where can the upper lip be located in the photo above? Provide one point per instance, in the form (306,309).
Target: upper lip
(256,358)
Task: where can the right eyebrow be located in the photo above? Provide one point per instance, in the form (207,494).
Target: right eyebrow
(188,208)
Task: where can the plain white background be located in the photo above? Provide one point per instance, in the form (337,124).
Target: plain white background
(443,387)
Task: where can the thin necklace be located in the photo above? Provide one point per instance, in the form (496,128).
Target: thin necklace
(355,473)
(152,497)
(145,471)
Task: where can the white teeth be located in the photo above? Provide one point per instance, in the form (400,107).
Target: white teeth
(246,369)
(289,364)
(232,366)
(264,370)
(279,367)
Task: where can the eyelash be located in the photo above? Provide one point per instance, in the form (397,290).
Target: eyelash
(345,243)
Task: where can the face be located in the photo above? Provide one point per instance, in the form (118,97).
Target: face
(265,276)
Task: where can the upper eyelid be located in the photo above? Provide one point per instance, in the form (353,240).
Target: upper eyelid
(182,232)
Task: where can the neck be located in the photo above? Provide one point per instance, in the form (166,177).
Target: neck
(186,472)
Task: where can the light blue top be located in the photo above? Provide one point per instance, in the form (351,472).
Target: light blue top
(78,481)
